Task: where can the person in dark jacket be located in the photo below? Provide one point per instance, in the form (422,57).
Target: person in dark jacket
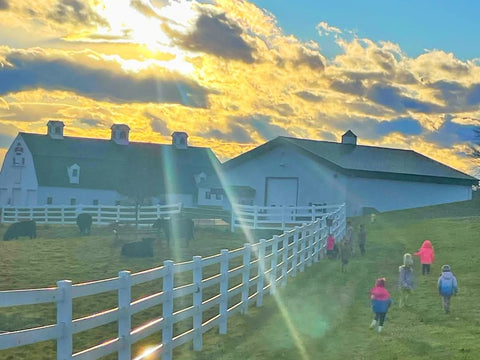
(447,286)
(381,302)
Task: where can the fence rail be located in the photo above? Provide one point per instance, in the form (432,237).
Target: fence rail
(101,214)
(243,277)
(281,217)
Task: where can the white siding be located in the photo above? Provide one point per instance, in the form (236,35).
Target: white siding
(16,181)
(316,183)
(387,195)
(62,196)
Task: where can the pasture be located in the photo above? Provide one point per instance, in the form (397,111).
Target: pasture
(323,313)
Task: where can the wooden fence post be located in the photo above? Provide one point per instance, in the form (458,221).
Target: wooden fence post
(273,268)
(284,259)
(223,308)
(167,310)
(64,320)
(295,251)
(310,245)
(247,255)
(197,303)
(302,249)
(261,272)
(124,320)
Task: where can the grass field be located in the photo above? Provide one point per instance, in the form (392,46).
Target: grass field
(321,314)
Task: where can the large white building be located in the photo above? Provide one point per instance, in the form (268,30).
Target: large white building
(53,169)
(298,172)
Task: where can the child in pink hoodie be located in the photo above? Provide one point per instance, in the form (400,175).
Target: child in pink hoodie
(427,256)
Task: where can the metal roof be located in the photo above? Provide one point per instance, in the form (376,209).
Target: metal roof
(107,165)
(366,161)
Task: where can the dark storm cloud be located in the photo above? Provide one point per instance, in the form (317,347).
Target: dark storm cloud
(75,11)
(28,73)
(158,125)
(308,96)
(235,133)
(390,97)
(4,5)
(451,133)
(217,35)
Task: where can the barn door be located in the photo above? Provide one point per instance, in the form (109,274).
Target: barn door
(281,192)
(16,197)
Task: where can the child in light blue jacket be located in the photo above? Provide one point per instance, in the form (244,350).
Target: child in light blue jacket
(447,286)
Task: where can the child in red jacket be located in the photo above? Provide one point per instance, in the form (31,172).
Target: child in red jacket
(427,256)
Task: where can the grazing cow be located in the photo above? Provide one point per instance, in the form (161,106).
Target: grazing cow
(22,228)
(142,248)
(84,223)
(176,228)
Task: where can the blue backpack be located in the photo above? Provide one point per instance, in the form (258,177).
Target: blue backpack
(446,286)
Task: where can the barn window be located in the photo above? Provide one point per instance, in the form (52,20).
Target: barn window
(218,197)
(73,201)
(95,202)
(49,200)
(74,174)
(208,195)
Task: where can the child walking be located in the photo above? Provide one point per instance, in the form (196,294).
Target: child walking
(405,279)
(447,286)
(427,256)
(331,253)
(345,254)
(381,302)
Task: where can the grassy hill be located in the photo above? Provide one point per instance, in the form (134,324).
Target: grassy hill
(322,313)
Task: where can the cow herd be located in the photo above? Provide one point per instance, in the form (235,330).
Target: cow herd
(175,228)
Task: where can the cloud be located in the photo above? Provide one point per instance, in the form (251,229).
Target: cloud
(76,12)
(263,126)
(4,5)
(324,29)
(308,96)
(234,133)
(30,71)
(218,35)
(390,97)
(158,125)
(354,86)
(6,140)
(91,122)
(311,58)
(451,133)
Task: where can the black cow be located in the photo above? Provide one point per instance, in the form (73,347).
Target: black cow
(142,248)
(176,228)
(22,228)
(84,223)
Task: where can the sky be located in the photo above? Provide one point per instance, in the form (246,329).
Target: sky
(234,74)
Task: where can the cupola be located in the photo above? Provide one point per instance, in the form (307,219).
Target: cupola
(179,139)
(55,129)
(349,138)
(120,134)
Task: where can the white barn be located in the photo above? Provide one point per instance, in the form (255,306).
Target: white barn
(299,172)
(53,169)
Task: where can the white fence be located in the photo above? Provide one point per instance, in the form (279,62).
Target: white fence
(282,217)
(209,297)
(101,214)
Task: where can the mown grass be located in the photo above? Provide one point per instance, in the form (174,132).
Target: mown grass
(322,313)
